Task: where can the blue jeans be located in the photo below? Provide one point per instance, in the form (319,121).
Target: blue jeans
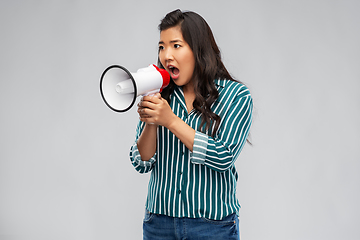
(161,227)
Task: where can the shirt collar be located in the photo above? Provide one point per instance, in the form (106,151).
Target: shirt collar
(220,82)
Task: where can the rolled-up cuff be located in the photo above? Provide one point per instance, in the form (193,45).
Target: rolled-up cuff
(199,148)
(140,164)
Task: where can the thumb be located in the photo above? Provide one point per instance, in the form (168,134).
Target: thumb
(158,95)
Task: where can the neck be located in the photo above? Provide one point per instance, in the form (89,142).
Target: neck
(189,95)
(188,88)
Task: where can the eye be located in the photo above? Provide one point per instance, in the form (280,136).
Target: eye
(176,46)
(161,48)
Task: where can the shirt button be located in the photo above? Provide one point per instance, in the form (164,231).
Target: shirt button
(179,191)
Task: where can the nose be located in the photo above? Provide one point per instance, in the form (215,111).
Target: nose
(168,55)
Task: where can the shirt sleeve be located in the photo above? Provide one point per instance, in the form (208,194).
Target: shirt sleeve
(219,153)
(135,157)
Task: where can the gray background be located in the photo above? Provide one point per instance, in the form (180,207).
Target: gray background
(64,166)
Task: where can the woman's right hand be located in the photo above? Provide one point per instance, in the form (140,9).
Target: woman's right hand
(155,110)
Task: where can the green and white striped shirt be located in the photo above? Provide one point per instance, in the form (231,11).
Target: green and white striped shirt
(201,183)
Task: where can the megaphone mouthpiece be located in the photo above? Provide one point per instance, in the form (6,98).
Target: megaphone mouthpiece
(165,75)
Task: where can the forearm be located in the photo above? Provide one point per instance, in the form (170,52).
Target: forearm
(220,153)
(147,142)
(183,132)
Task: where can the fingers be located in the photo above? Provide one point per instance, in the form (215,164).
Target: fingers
(150,101)
(146,104)
(150,107)
(146,115)
(145,109)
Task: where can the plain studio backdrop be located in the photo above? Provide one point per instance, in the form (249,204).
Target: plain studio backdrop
(64,166)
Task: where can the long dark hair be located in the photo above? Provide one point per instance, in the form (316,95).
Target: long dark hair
(208,65)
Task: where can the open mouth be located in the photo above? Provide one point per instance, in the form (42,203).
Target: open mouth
(174,72)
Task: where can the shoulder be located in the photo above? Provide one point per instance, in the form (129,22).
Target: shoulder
(233,96)
(232,88)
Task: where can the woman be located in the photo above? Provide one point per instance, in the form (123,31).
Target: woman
(190,135)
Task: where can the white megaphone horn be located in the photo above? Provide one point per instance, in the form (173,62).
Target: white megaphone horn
(119,88)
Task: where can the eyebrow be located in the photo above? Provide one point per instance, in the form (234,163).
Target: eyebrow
(173,41)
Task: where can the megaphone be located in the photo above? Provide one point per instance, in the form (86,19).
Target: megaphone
(119,88)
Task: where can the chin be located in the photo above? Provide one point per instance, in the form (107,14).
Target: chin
(177,82)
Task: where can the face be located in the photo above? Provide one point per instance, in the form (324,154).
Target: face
(176,56)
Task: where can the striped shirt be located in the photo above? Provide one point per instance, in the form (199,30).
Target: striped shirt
(201,183)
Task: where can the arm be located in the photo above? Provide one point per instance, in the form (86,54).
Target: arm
(157,111)
(154,111)
(182,131)
(220,153)
(135,157)
(146,143)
